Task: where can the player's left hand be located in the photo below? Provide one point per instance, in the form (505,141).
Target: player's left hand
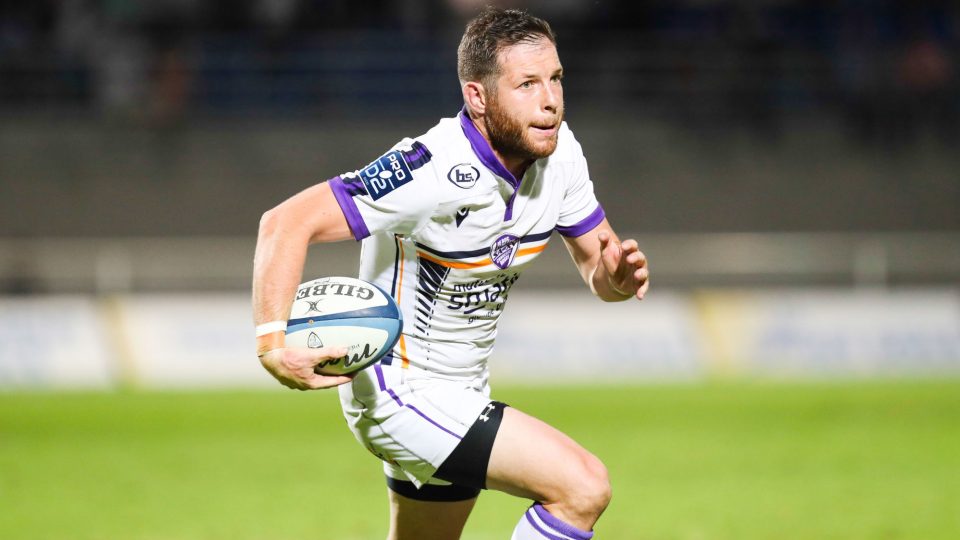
(625,266)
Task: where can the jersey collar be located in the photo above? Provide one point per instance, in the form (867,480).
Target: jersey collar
(483,151)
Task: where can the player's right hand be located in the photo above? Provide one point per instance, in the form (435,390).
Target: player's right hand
(293,367)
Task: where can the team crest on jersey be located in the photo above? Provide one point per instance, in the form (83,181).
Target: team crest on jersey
(386,174)
(504,249)
(463,175)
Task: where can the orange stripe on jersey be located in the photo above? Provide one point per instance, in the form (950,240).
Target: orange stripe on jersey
(400,273)
(404,360)
(477,264)
(529,250)
(454,264)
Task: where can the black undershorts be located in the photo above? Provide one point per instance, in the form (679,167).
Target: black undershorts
(465,468)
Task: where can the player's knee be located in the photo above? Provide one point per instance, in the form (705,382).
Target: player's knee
(598,491)
(591,491)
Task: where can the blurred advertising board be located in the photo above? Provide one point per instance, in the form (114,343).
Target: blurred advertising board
(568,335)
(55,342)
(189,340)
(829,333)
(206,340)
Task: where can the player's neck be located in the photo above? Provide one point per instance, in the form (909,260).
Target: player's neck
(516,165)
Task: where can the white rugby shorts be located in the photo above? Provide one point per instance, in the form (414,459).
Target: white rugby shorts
(409,420)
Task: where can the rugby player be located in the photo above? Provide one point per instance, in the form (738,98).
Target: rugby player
(448,220)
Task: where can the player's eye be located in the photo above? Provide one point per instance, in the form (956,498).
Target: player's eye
(526,84)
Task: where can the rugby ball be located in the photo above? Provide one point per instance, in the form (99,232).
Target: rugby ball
(344,312)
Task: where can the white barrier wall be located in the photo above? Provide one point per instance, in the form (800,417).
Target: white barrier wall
(830,333)
(569,335)
(206,340)
(58,341)
(189,340)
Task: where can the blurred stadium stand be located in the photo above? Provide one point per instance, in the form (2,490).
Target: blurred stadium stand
(769,141)
(679,261)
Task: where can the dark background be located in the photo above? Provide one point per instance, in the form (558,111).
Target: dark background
(190,117)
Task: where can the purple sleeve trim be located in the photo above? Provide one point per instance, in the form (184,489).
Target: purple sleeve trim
(349,208)
(560,526)
(586,224)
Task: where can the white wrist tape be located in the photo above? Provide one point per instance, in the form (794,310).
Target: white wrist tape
(271,327)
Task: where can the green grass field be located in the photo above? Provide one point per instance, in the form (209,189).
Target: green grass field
(707,461)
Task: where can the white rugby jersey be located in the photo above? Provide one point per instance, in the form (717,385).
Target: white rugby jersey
(447,230)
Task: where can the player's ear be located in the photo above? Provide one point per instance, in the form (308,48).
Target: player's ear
(475,96)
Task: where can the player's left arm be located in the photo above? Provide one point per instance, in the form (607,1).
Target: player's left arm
(614,270)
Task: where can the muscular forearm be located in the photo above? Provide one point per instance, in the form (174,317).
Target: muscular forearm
(282,245)
(312,215)
(277,266)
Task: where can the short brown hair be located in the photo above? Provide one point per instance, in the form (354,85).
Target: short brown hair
(490,32)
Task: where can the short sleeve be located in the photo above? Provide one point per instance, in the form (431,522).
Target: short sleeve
(579,211)
(395,193)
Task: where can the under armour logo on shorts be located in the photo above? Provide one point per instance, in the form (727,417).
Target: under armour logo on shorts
(489,410)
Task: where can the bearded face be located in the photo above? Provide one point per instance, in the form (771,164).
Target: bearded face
(525,102)
(514,136)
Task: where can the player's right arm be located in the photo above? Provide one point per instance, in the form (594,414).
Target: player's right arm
(396,193)
(286,232)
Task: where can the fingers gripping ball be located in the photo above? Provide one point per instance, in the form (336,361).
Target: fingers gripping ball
(344,312)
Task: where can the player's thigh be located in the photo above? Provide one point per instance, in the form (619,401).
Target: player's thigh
(534,460)
(411,519)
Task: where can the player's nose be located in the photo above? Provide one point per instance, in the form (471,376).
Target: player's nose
(552,99)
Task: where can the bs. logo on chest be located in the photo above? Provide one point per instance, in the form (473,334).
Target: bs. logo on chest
(463,175)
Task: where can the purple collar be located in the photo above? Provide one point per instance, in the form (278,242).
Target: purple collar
(483,151)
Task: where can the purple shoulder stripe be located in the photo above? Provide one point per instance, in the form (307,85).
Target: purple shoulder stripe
(585,225)
(417,156)
(344,195)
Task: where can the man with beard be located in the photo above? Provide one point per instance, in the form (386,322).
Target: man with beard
(448,221)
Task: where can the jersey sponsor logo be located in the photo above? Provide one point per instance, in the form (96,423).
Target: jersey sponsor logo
(463,175)
(386,174)
(481,299)
(504,249)
(462,215)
